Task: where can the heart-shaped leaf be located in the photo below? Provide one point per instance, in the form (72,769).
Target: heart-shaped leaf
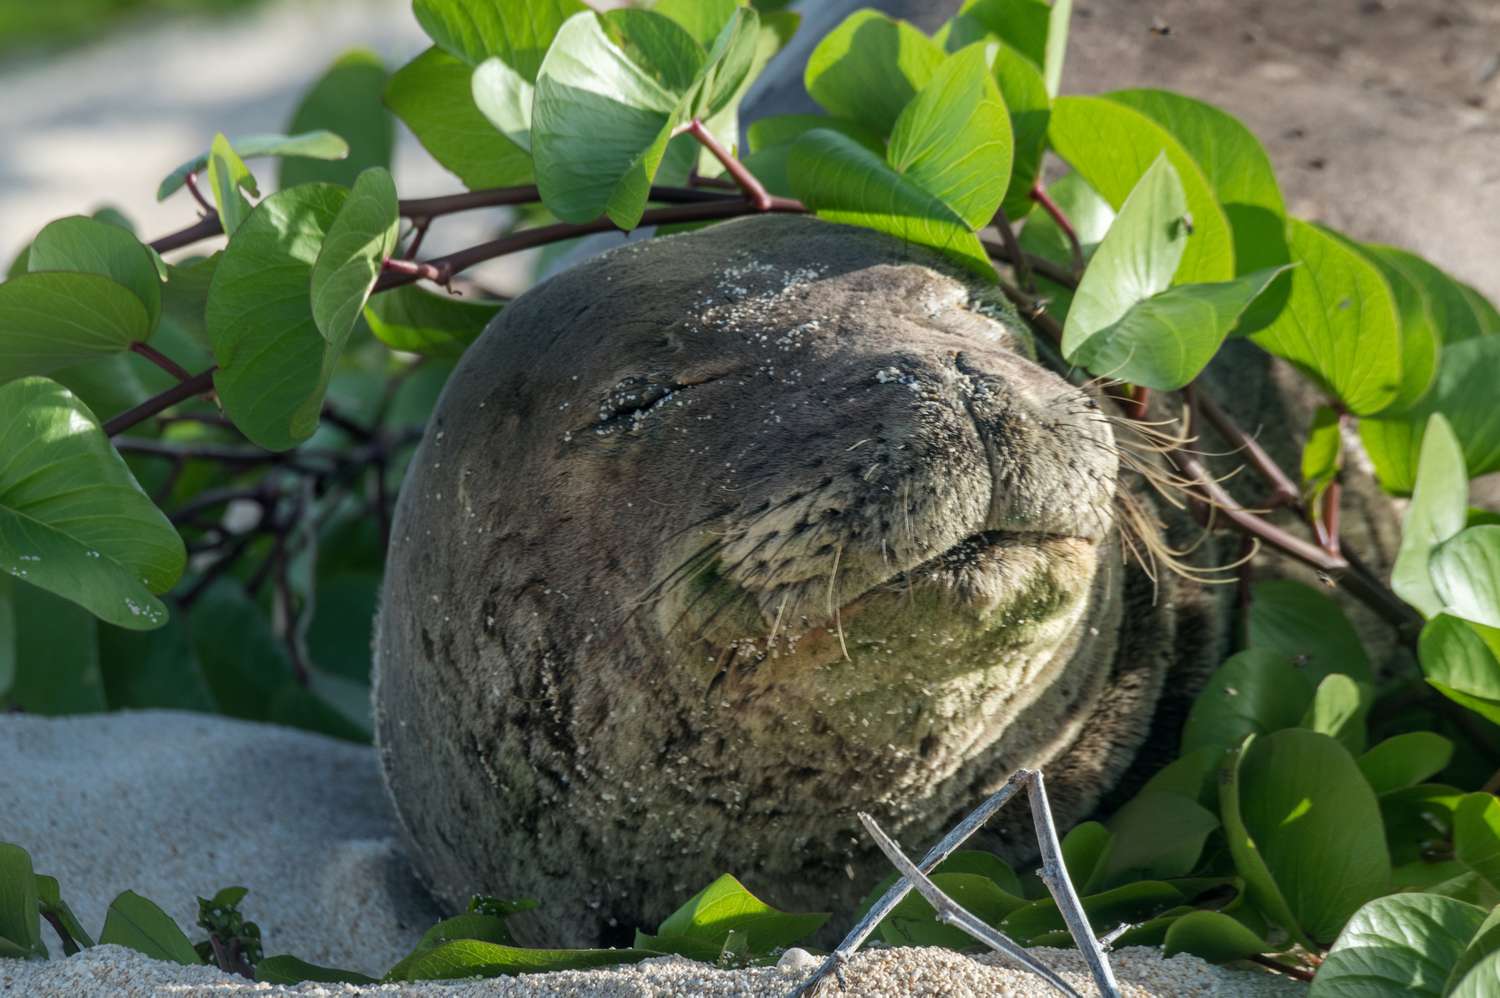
(1460,664)
(274,365)
(362,236)
(317,145)
(1465,572)
(1397,946)
(348,97)
(944,172)
(1405,760)
(73,520)
(1304,830)
(434,96)
(1308,627)
(136,923)
(54,319)
(1156,836)
(90,246)
(1340,324)
(1212,936)
(416,321)
(869,68)
(1437,512)
(1113,146)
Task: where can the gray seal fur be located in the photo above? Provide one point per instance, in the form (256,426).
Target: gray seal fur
(716,539)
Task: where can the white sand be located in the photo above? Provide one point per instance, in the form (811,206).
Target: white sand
(173,805)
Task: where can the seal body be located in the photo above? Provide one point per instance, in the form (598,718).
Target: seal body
(717,539)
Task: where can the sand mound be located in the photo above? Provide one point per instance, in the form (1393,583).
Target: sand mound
(174,805)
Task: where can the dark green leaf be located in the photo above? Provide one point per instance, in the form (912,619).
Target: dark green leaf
(1156,836)
(227,178)
(51,320)
(57,655)
(470,958)
(1256,692)
(771,140)
(1083,850)
(317,145)
(418,321)
(20,914)
(347,98)
(869,68)
(1338,710)
(1340,325)
(484,928)
(432,95)
(274,365)
(242,661)
(8,640)
(1113,146)
(358,242)
(913,922)
(1304,829)
(291,970)
(1308,627)
(72,518)
(1135,902)
(1465,572)
(93,247)
(1483,944)
(138,924)
(155,670)
(1397,946)
(1212,936)
(1405,760)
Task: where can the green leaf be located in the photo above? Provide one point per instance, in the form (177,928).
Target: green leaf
(49,897)
(1338,710)
(8,638)
(151,670)
(1340,324)
(1256,692)
(1137,902)
(1112,146)
(471,958)
(1405,760)
(138,924)
(347,97)
(1091,217)
(1454,317)
(1421,340)
(1476,836)
(506,72)
(1212,936)
(1124,321)
(1304,830)
(57,651)
(1465,572)
(362,236)
(243,662)
(471,925)
(316,145)
(1037,30)
(1030,107)
(771,140)
(601,123)
(725,906)
(1464,394)
(432,96)
(1083,849)
(52,319)
(227,177)
(1322,454)
(291,970)
(20,912)
(944,174)
(274,365)
(93,247)
(869,68)
(518,31)
(503,96)
(1436,513)
(72,518)
(1460,665)
(1155,836)
(1308,627)
(1483,944)
(416,321)
(1480,981)
(913,922)
(1397,946)
(1486,314)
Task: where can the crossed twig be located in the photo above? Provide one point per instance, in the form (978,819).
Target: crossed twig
(950,912)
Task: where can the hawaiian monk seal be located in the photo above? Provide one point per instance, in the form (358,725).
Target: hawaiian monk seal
(717,538)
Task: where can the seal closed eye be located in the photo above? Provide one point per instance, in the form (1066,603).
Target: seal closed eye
(718,538)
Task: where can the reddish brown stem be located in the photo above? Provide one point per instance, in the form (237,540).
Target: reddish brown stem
(1040,196)
(416,270)
(755,191)
(161,360)
(1332,497)
(1300,973)
(191,182)
(197,384)
(1284,491)
(205,227)
(1013,252)
(419,227)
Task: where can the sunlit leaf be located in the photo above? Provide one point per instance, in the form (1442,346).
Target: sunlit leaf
(362,236)
(410,319)
(1465,572)
(432,96)
(1257,691)
(472,958)
(83,244)
(317,145)
(1397,946)
(869,68)
(1405,760)
(1308,627)
(1461,665)
(1436,513)
(228,177)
